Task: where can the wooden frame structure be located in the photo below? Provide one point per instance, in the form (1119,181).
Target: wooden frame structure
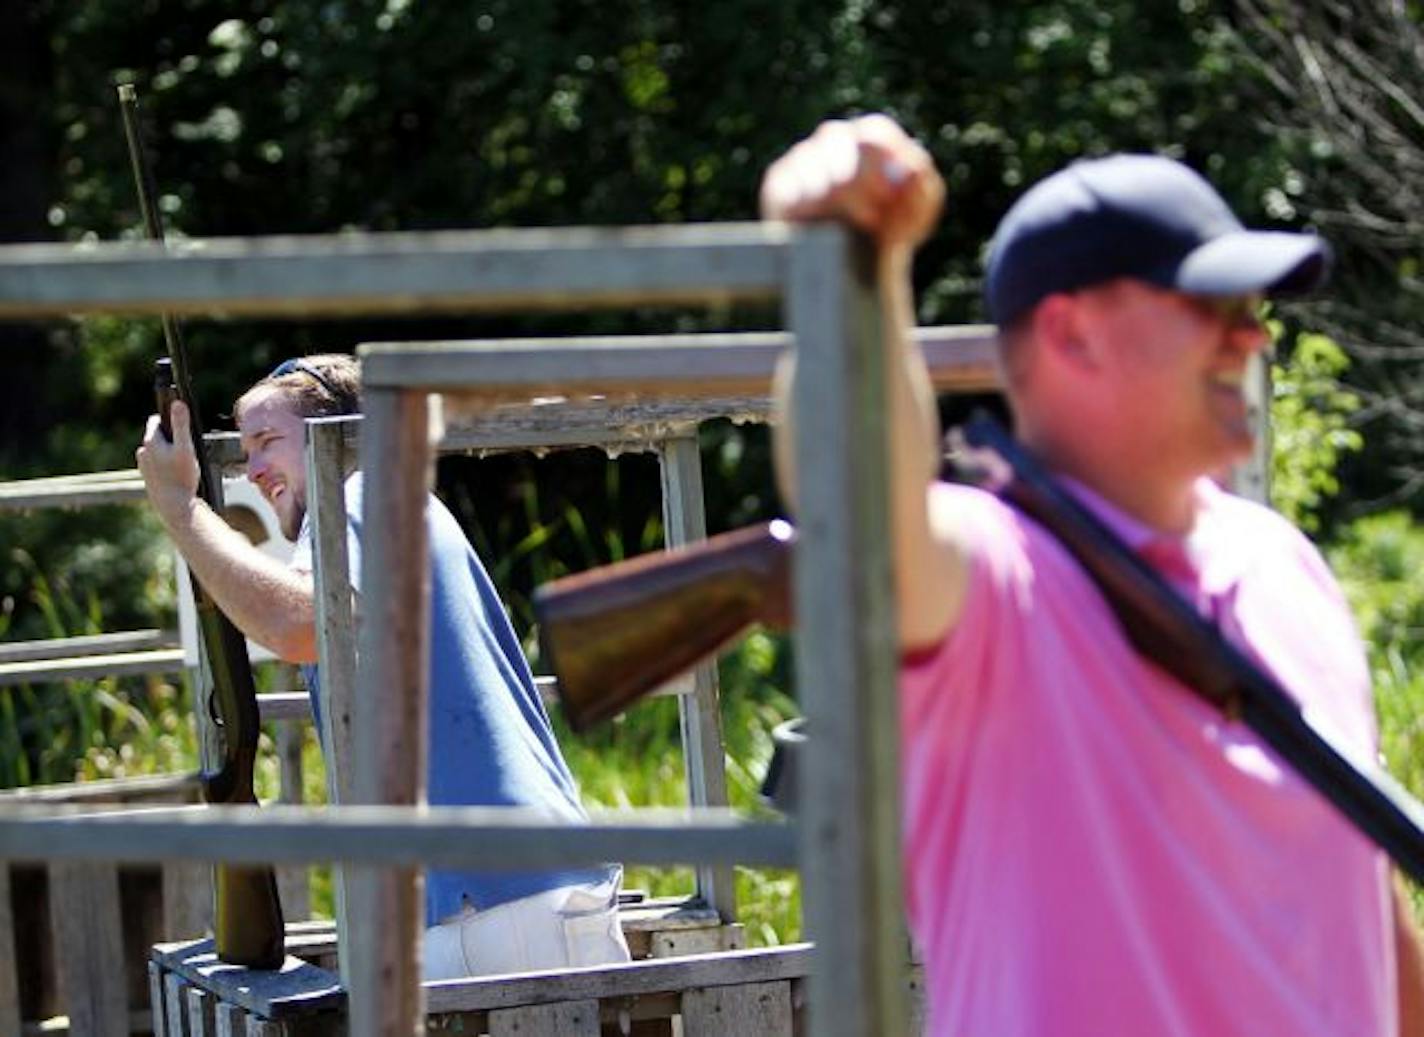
(845,644)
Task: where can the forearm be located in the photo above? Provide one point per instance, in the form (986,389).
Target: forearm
(270,603)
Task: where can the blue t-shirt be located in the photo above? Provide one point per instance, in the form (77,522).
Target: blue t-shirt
(490,739)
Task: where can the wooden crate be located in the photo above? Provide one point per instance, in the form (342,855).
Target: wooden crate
(741,993)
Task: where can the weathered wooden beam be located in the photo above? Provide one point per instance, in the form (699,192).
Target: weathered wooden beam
(89,946)
(389,727)
(9,960)
(121,792)
(749,1010)
(699,713)
(72,491)
(846,648)
(118,664)
(566,1019)
(352,274)
(493,838)
(631,979)
(90,644)
(329,456)
(960,359)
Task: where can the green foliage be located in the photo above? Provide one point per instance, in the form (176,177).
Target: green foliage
(1378,561)
(636,761)
(1310,426)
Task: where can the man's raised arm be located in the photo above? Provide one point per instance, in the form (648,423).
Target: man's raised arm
(268,602)
(869,174)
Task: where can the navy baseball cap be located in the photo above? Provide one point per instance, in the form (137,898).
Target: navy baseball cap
(1144,217)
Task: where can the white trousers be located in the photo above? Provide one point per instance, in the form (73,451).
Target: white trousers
(559,928)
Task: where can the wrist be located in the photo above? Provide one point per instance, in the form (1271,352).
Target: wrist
(175,506)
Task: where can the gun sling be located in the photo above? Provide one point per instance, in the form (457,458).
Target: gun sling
(1167,630)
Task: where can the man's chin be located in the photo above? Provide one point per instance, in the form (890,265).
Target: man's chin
(290,523)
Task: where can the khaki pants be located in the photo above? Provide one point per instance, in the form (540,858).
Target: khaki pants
(559,928)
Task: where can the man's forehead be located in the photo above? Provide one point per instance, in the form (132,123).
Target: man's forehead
(265,411)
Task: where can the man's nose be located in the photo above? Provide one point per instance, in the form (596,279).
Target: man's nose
(1249,334)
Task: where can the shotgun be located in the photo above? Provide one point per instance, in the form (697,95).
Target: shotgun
(1157,621)
(248,927)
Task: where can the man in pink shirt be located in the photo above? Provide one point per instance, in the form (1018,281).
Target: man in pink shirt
(1090,848)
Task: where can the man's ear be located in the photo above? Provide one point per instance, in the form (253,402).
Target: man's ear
(1058,329)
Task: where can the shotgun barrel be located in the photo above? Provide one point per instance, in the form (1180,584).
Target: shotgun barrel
(614,634)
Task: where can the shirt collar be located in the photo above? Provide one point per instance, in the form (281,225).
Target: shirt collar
(1181,558)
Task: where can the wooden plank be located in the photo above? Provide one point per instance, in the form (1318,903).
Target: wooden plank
(846,654)
(292,882)
(961,358)
(568,1019)
(753,1010)
(202,1013)
(9,964)
(329,458)
(158,1018)
(1252,477)
(175,1005)
(390,713)
(22,496)
(157,788)
(687,368)
(515,370)
(700,715)
(91,644)
(295,990)
(397,273)
(330,455)
(117,664)
(88,946)
(394,836)
(231,1021)
(916,1003)
(678,942)
(291,706)
(187,899)
(627,979)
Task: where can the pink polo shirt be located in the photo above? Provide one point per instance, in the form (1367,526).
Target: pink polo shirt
(1090,848)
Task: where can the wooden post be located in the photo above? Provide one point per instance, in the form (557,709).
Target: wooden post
(202,1014)
(89,947)
(684,521)
(175,1005)
(1252,478)
(846,643)
(327,465)
(9,965)
(292,882)
(187,899)
(390,711)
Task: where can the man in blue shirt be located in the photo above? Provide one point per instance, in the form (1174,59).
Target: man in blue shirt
(490,740)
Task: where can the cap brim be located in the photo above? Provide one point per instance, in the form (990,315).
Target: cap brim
(1270,262)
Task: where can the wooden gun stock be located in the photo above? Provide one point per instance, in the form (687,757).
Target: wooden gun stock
(616,633)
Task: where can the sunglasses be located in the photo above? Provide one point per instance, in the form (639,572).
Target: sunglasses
(1232,310)
(287,367)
